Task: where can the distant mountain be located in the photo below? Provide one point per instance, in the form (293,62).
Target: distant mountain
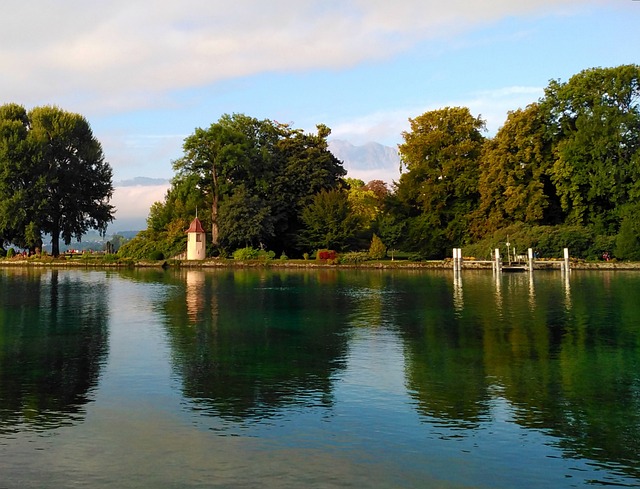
(370,161)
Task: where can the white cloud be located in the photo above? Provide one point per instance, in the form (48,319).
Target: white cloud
(492,106)
(135,201)
(132,155)
(118,54)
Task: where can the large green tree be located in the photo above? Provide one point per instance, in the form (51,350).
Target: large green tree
(260,169)
(306,167)
(246,217)
(330,221)
(594,120)
(19,179)
(439,190)
(54,171)
(514,183)
(216,156)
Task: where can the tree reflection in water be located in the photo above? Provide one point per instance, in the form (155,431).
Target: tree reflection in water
(53,341)
(245,343)
(569,365)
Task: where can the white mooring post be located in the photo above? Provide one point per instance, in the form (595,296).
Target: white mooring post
(530,255)
(457,259)
(566,260)
(497,259)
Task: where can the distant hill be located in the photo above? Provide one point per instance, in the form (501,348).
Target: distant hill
(370,161)
(90,241)
(127,234)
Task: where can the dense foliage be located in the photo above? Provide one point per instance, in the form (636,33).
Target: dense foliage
(562,172)
(565,167)
(250,181)
(53,177)
(440,189)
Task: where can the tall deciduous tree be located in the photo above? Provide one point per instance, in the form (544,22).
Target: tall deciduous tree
(56,172)
(264,169)
(215,155)
(363,201)
(18,179)
(306,168)
(595,122)
(245,218)
(78,179)
(441,154)
(514,182)
(330,221)
(379,188)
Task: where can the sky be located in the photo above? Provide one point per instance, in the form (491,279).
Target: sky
(146,73)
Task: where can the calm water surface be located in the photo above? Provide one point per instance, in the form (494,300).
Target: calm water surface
(190,378)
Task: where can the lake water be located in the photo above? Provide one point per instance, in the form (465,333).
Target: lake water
(318,379)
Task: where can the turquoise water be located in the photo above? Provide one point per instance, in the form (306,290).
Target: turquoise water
(245,378)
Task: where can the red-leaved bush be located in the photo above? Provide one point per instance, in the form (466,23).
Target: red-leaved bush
(326,255)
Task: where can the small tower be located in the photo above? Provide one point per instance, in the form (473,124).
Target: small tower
(196,241)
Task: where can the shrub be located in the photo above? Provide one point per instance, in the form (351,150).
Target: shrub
(11,253)
(377,250)
(305,256)
(265,255)
(249,253)
(415,257)
(246,253)
(354,257)
(326,255)
(576,238)
(284,257)
(548,241)
(110,258)
(220,252)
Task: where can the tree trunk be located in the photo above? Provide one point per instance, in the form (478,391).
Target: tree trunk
(55,242)
(214,206)
(214,220)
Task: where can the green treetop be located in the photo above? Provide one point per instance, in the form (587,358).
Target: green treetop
(54,175)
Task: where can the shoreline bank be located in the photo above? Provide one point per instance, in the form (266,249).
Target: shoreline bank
(307,264)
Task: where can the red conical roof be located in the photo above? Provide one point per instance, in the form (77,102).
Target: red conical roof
(195,227)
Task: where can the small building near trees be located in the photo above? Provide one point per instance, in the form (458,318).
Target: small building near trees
(196,241)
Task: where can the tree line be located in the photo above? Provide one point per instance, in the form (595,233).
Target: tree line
(563,171)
